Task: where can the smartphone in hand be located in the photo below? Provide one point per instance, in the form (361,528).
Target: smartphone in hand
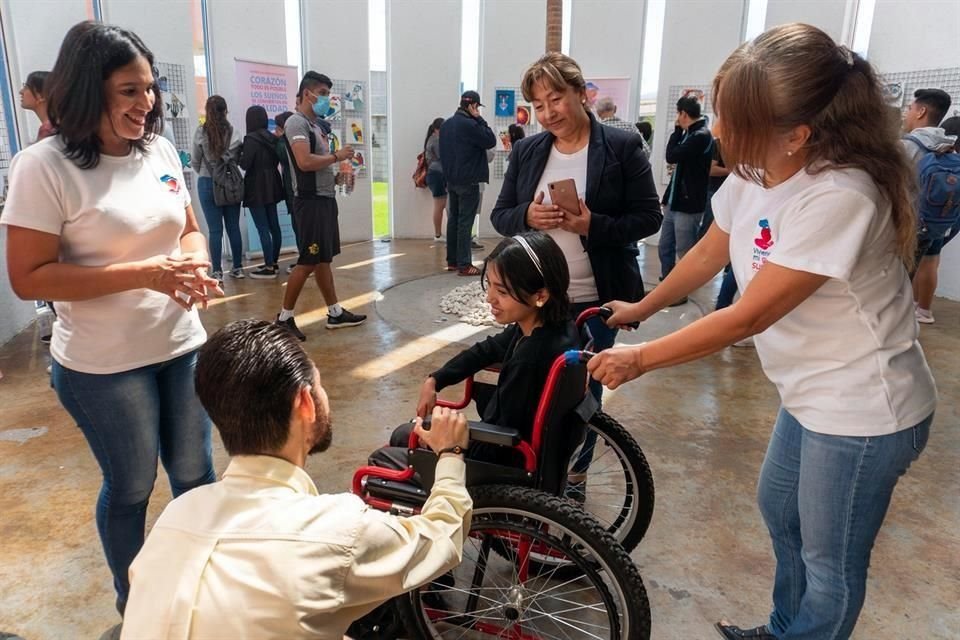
(563,193)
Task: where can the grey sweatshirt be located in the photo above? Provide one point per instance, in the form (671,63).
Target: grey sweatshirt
(933,139)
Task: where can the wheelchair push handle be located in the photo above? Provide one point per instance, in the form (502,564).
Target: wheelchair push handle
(604,313)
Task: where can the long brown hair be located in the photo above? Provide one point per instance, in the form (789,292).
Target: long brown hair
(216,126)
(794,75)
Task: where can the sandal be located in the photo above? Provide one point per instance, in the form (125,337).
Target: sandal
(731,632)
(472,270)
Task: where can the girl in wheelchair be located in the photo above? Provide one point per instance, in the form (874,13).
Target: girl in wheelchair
(526,280)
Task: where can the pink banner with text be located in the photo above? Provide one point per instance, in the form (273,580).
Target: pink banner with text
(272,86)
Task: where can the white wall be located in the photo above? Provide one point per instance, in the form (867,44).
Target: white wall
(920,34)
(912,36)
(606,40)
(698,35)
(423,77)
(34,31)
(246,29)
(829,15)
(337,43)
(524,26)
(33,40)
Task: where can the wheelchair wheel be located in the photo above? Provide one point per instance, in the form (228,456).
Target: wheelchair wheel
(617,487)
(501,589)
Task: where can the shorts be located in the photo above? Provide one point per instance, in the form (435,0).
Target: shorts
(317,229)
(437,184)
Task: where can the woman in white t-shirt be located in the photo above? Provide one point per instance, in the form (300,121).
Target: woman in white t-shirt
(818,223)
(98,220)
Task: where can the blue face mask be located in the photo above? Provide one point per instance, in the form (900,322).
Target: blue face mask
(322,106)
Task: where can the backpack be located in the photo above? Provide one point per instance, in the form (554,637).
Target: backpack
(939,197)
(227,182)
(420,175)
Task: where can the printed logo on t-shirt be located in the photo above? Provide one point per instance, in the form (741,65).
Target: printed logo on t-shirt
(762,244)
(172,185)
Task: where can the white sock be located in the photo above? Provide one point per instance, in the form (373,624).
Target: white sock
(285,314)
(334,310)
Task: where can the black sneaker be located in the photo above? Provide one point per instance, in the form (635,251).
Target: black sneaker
(730,632)
(291,326)
(345,319)
(263,273)
(476,245)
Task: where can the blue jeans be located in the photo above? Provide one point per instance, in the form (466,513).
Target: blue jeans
(678,234)
(268,228)
(728,289)
(603,338)
(823,498)
(217,218)
(129,419)
(463,201)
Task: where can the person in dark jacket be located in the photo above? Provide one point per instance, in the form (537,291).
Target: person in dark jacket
(526,279)
(617,197)
(464,140)
(689,149)
(262,188)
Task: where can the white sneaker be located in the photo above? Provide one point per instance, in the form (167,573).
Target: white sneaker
(439,239)
(924,316)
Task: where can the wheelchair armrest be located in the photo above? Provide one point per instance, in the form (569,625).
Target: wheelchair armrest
(494,434)
(467,397)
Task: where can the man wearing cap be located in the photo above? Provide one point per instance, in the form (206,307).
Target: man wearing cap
(464,140)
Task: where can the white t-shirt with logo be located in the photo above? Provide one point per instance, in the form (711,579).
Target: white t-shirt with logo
(561,166)
(125,209)
(846,361)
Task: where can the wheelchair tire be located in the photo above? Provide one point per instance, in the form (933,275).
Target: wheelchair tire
(484,597)
(619,490)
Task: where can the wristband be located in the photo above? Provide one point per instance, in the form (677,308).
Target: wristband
(457,449)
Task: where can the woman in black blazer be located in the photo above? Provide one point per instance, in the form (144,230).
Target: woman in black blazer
(262,188)
(618,202)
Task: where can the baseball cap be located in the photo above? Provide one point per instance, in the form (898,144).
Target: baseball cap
(470,97)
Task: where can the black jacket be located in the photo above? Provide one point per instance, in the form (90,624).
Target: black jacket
(262,183)
(464,141)
(620,194)
(690,151)
(525,363)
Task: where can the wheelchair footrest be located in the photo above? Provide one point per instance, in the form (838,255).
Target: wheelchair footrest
(393,490)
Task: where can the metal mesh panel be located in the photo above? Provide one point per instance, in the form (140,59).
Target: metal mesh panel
(183,126)
(500,124)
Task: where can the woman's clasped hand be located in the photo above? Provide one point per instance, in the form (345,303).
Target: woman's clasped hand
(184,278)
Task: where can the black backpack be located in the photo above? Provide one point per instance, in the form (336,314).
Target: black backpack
(227,181)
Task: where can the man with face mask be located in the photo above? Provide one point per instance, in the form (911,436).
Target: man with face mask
(261,554)
(312,164)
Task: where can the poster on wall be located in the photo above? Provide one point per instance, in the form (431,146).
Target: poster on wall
(693,93)
(505,103)
(893,94)
(524,114)
(174,106)
(354,131)
(335,140)
(617,89)
(272,86)
(353,99)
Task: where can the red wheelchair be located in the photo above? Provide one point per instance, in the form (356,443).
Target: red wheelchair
(536,564)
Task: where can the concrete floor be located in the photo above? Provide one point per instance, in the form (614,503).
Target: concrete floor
(703,426)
